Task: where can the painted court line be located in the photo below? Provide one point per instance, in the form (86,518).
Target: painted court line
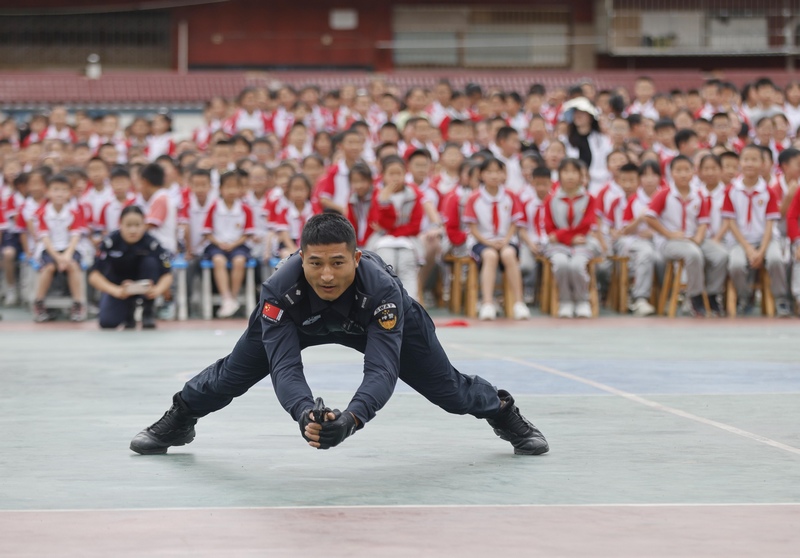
(419,506)
(635,398)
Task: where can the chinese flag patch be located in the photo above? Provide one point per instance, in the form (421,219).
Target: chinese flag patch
(271,312)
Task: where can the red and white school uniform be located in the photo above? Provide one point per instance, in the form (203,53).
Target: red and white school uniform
(444,183)
(335,186)
(65,134)
(107,219)
(60,226)
(293,220)
(257,121)
(161,212)
(97,199)
(754,209)
(228,224)
(716,199)
(194,214)
(358,213)
(202,134)
(453,206)
(400,219)
(493,214)
(160,145)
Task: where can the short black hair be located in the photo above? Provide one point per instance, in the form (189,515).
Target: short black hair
(664,123)
(683,136)
(678,159)
(787,155)
(131,209)
(200,172)
(120,172)
(328,228)
(629,167)
(58,179)
(541,172)
(504,133)
(154,174)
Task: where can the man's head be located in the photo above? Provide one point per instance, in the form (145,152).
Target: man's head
(329,254)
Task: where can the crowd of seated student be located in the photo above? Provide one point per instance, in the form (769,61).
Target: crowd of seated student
(572,175)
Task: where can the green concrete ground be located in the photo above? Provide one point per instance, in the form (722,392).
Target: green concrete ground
(72,399)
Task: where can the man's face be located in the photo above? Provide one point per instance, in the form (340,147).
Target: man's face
(330,268)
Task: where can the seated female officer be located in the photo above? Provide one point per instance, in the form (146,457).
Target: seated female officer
(130,264)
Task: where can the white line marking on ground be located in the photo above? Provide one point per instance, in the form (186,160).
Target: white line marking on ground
(635,398)
(414,506)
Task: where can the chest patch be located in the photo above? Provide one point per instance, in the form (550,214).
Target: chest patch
(271,313)
(311,320)
(387,316)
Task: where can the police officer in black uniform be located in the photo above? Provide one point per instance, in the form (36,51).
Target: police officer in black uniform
(130,264)
(330,292)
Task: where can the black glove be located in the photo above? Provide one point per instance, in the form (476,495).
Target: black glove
(335,431)
(319,412)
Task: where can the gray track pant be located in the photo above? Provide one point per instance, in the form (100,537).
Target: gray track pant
(739,269)
(705,265)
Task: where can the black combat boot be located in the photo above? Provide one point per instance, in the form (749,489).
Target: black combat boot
(175,428)
(512,427)
(148,315)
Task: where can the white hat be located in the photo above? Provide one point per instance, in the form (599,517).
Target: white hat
(582,104)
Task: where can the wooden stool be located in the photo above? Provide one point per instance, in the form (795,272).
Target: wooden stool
(545,279)
(594,297)
(456,264)
(472,289)
(671,287)
(767,300)
(618,290)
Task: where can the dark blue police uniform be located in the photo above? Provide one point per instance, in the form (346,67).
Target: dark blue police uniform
(119,261)
(374,315)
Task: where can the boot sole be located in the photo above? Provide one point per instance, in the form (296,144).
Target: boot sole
(161,450)
(540,451)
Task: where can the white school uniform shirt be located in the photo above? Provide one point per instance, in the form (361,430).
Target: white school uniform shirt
(647,110)
(636,207)
(678,214)
(65,134)
(60,226)
(97,199)
(515,182)
(160,145)
(107,219)
(161,211)
(341,185)
(480,209)
(793,116)
(752,208)
(194,214)
(534,220)
(242,120)
(293,220)
(228,224)
(715,198)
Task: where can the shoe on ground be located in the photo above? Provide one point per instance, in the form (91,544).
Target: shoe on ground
(228,308)
(583,309)
(487,312)
(175,428)
(521,311)
(642,307)
(148,315)
(566,309)
(511,426)
(698,306)
(40,313)
(713,304)
(77,313)
(782,308)
(11,298)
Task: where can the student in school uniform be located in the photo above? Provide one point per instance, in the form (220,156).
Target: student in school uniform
(570,216)
(248,116)
(12,239)
(228,226)
(333,190)
(160,141)
(636,239)
(493,214)
(680,215)
(161,213)
(750,210)
(362,193)
(107,219)
(397,211)
(197,202)
(290,222)
(533,238)
(98,190)
(453,206)
(60,230)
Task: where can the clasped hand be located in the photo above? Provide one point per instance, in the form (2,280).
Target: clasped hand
(332,432)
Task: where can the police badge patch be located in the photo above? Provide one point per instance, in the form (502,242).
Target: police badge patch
(387,316)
